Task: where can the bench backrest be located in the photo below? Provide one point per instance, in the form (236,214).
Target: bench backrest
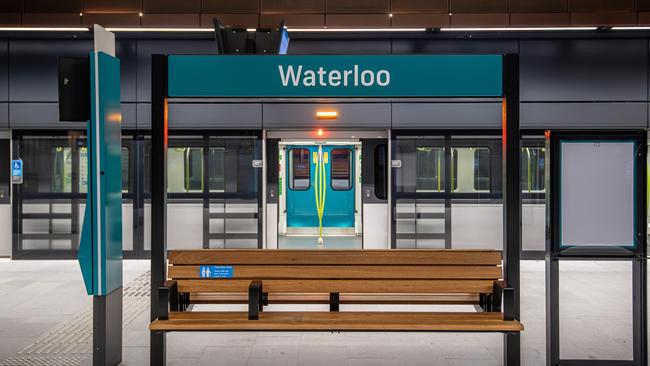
(338,271)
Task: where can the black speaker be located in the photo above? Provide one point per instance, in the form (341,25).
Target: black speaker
(74,89)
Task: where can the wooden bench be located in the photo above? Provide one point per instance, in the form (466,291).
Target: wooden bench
(259,277)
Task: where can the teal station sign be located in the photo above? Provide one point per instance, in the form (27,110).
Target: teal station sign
(261,76)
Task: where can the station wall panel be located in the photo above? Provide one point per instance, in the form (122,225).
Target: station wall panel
(125,50)
(445,46)
(146,48)
(344,46)
(584,115)
(447,115)
(34,67)
(215,116)
(303,115)
(584,70)
(4,115)
(4,70)
(46,116)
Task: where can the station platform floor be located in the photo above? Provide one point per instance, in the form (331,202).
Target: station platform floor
(46,319)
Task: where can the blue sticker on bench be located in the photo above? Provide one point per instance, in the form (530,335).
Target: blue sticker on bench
(216,272)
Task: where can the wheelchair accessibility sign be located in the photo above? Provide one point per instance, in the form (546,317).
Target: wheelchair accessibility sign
(216,272)
(17,171)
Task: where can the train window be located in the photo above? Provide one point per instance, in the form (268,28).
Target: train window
(184,169)
(125,170)
(83,169)
(532,169)
(341,169)
(217,177)
(61,169)
(430,169)
(470,169)
(299,170)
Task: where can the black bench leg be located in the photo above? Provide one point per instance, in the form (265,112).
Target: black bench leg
(158,350)
(255,301)
(334,301)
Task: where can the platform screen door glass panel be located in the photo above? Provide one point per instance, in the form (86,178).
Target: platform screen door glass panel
(597,186)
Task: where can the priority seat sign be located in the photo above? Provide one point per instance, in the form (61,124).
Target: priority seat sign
(17,171)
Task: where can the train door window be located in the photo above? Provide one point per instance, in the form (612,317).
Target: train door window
(217,176)
(83,169)
(341,169)
(470,169)
(430,169)
(299,170)
(184,169)
(532,169)
(381,174)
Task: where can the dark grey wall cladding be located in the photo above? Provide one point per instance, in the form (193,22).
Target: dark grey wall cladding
(4,70)
(215,116)
(146,48)
(46,115)
(346,46)
(451,46)
(34,67)
(303,115)
(447,115)
(143,111)
(584,70)
(126,51)
(584,115)
(4,115)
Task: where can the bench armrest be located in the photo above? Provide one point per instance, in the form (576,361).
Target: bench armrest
(501,291)
(167,299)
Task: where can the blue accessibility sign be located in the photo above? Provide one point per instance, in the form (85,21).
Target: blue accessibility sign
(17,171)
(216,272)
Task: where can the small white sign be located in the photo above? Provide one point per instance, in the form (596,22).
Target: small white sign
(258,163)
(396,163)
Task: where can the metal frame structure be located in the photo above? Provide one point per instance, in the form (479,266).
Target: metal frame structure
(511,194)
(555,254)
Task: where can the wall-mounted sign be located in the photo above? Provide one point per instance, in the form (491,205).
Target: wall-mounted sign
(396,163)
(335,76)
(257,163)
(215,272)
(17,171)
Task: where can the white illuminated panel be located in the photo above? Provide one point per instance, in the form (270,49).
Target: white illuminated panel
(597,194)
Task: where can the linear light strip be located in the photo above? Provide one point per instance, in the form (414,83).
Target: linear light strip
(517,29)
(320,30)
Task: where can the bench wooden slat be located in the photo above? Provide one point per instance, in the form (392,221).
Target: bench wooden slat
(340,286)
(343,321)
(297,298)
(347,272)
(409,257)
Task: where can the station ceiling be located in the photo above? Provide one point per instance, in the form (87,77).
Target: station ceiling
(326,13)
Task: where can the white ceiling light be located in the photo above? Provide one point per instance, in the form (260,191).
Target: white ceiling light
(517,29)
(142,29)
(43,29)
(356,29)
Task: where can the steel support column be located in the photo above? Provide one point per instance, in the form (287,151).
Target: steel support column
(158,197)
(511,201)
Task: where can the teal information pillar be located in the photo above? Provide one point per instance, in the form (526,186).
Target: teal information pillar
(100,250)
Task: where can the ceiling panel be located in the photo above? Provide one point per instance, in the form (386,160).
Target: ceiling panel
(172,6)
(112,6)
(604,18)
(480,20)
(11,6)
(111,20)
(52,19)
(538,5)
(50,6)
(235,20)
(432,20)
(293,6)
(600,5)
(414,6)
(293,20)
(171,20)
(540,19)
(357,20)
(239,6)
(357,6)
(478,6)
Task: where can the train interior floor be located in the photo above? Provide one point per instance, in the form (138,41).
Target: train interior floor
(47,320)
(311,242)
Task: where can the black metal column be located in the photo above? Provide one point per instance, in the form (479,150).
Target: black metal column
(511,201)
(158,197)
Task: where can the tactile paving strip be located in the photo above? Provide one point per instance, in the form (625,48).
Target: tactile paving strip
(70,344)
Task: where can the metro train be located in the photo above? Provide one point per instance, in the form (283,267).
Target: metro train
(336,184)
